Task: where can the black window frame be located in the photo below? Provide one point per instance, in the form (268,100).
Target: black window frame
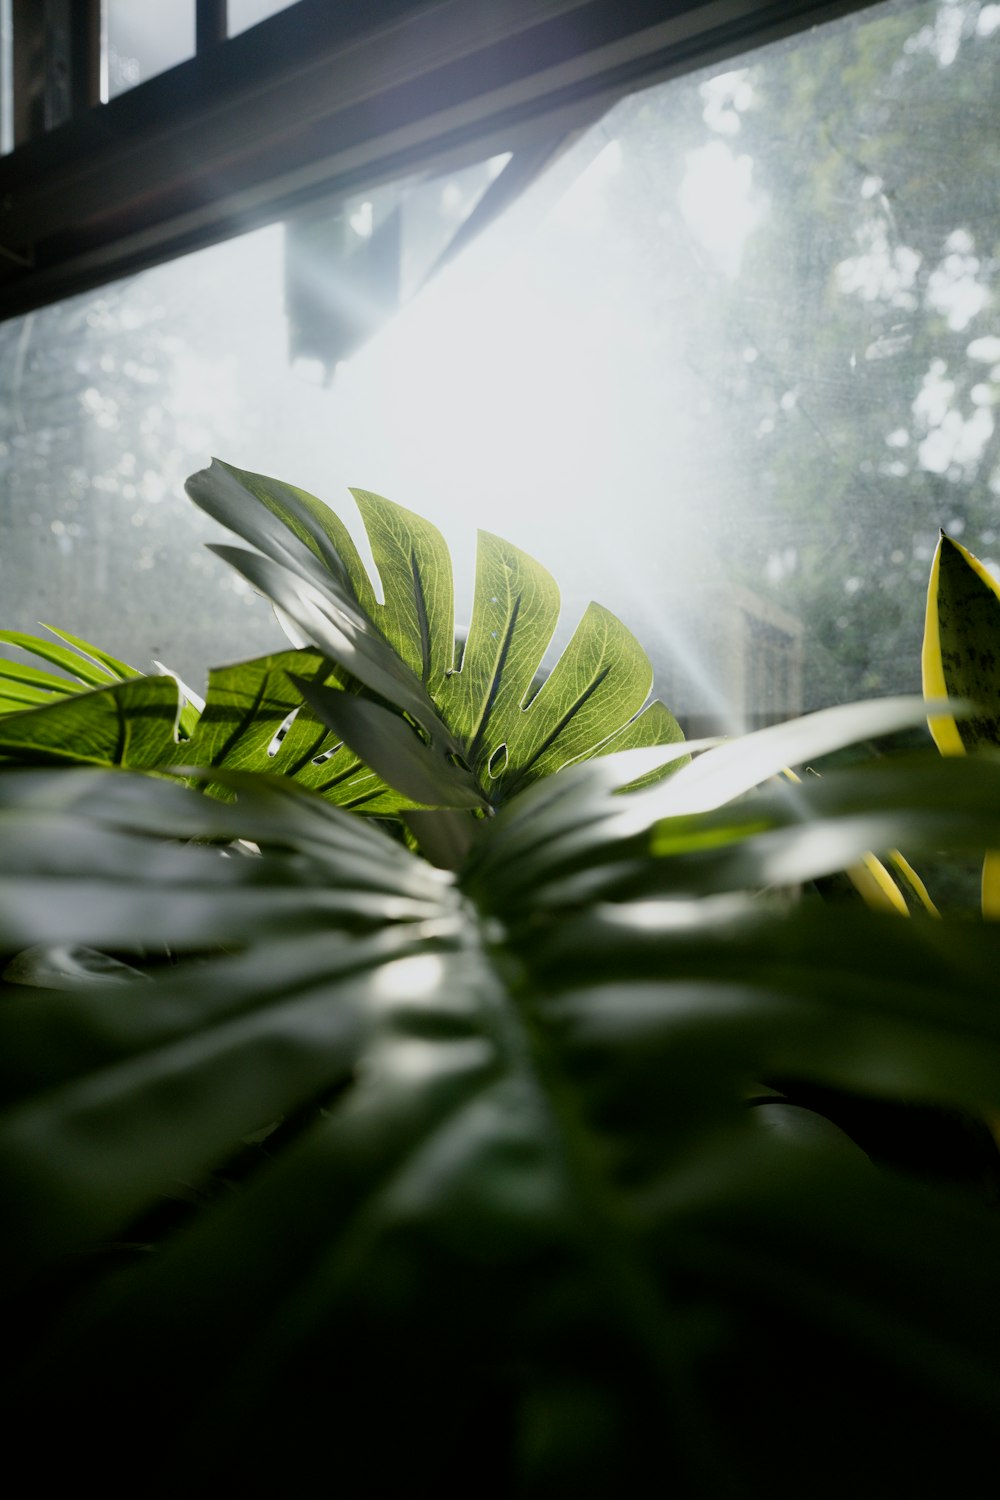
(322,99)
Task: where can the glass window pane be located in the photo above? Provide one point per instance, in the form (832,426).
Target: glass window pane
(726,366)
(146,38)
(243,14)
(6,79)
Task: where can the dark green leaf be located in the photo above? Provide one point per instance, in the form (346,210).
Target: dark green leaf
(358,648)
(254,720)
(389,745)
(117,670)
(491,1159)
(60,967)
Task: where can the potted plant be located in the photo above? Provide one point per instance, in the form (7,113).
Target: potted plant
(382,1042)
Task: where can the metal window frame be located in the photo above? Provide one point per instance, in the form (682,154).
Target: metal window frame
(317,101)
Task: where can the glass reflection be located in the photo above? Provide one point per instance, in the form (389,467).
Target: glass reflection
(242,14)
(144,39)
(725,362)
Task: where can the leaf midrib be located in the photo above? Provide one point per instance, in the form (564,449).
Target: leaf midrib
(568,715)
(493,691)
(423,619)
(610,1251)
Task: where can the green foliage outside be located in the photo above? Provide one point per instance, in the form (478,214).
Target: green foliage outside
(872,263)
(853,357)
(886,468)
(412,1096)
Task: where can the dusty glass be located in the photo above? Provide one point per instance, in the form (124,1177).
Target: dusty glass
(242,14)
(145,37)
(726,365)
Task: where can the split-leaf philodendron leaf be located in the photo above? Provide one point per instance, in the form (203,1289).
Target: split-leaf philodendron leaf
(961,659)
(471,729)
(591,1149)
(385,712)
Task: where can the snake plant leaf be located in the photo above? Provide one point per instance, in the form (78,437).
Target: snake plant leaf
(918,896)
(131,723)
(876,886)
(961,650)
(961,659)
(991,885)
(357,647)
(58,966)
(872,880)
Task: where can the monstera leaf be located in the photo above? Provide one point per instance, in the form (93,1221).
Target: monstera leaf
(449,1182)
(449,727)
(86,665)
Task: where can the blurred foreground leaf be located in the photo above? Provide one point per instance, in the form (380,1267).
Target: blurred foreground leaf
(375,1146)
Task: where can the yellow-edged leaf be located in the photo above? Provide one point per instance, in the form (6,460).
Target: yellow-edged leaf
(873,882)
(991,885)
(961,659)
(961,650)
(914,882)
(871,879)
